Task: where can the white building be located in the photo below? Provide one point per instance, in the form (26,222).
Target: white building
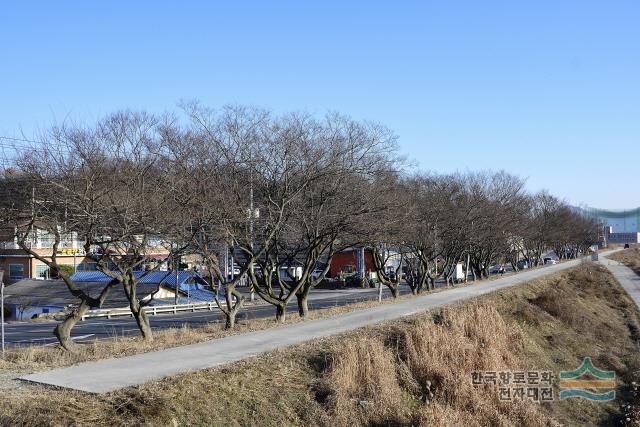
(620,226)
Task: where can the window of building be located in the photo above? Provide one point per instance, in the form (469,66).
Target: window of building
(16,271)
(42,272)
(348,269)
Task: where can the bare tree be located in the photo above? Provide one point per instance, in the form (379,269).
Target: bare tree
(107,185)
(53,199)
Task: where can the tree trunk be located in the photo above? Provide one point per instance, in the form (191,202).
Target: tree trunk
(137,311)
(63,330)
(234,302)
(141,319)
(230,319)
(303,306)
(395,290)
(281,311)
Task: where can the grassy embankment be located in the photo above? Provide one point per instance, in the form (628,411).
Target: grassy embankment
(629,257)
(412,371)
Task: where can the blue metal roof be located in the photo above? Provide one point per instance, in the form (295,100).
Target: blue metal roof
(188,280)
(201,295)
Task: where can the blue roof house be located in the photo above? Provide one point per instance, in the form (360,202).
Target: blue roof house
(161,285)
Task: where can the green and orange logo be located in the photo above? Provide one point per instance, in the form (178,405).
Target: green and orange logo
(588,382)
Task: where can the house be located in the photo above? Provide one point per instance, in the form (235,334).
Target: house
(191,287)
(29,297)
(352,261)
(19,264)
(359,261)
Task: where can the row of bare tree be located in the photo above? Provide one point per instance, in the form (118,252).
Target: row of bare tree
(274,191)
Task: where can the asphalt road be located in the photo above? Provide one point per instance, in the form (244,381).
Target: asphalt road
(34,333)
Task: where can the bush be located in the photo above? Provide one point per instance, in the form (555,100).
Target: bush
(357,282)
(68,269)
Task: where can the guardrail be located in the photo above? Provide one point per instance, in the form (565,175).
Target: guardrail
(156,309)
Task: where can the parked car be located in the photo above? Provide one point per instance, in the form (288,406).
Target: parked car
(550,261)
(498,269)
(523,264)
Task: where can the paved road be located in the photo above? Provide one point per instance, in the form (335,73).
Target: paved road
(32,333)
(112,374)
(629,280)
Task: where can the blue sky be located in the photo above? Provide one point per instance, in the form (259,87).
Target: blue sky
(548,90)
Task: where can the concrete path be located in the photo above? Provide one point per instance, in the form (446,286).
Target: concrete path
(113,374)
(629,280)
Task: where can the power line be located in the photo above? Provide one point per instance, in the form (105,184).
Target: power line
(10,151)
(22,140)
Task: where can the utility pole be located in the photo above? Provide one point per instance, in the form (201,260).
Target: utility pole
(2,308)
(188,293)
(177,284)
(226,262)
(176,264)
(252,294)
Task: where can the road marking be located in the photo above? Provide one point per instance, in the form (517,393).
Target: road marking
(80,337)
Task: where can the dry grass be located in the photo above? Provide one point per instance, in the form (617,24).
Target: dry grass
(422,375)
(362,385)
(413,371)
(629,257)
